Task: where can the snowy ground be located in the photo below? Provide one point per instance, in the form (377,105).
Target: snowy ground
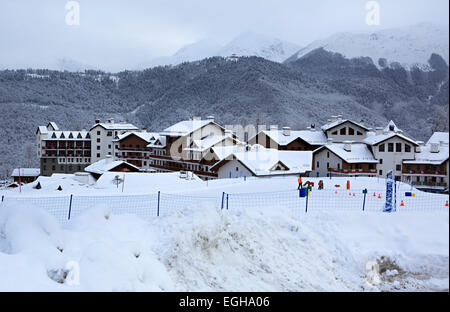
(203,248)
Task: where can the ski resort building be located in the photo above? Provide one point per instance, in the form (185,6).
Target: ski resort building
(25,175)
(72,151)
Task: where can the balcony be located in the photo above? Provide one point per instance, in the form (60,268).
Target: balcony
(353,171)
(424,172)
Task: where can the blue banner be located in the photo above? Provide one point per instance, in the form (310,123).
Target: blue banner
(389,192)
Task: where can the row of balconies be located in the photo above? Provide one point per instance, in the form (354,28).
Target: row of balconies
(353,171)
(431,184)
(65,147)
(424,172)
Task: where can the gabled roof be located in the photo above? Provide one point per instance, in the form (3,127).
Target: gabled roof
(438,137)
(262,162)
(26,172)
(359,153)
(145,136)
(116,126)
(340,122)
(186,127)
(393,125)
(207,143)
(107,164)
(160,142)
(374,139)
(53,125)
(310,137)
(67,135)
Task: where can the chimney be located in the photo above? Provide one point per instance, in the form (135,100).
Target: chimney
(347,146)
(329,121)
(313,127)
(144,130)
(108,159)
(210,117)
(196,118)
(334,119)
(330,141)
(434,148)
(97,121)
(286,131)
(111,121)
(273,128)
(339,117)
(419,148)
(378,131)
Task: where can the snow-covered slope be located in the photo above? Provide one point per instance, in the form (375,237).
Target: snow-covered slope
(407,45)
(189,53)
(248,44)
(251,44)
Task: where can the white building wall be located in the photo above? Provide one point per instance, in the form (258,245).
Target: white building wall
(233,169)
(322,158)
(341,138)
(102,144)
(392,159)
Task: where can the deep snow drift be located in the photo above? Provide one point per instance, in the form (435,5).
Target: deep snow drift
(204,249)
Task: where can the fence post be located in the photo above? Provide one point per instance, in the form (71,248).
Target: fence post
(159,199)
(223,195)
(3,197)
(307,196)
(70,206)
(227,201)
(364,202)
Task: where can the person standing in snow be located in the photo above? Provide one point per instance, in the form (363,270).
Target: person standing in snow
(300,183)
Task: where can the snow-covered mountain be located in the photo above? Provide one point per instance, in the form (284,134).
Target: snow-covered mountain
(251,44)
(407,45)
(70,65)
(189,53)
(248,44)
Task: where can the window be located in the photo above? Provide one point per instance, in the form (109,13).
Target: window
(45,168)
(98,140)
(328,165)
(343,131)
(98,147)
(398,147)
(351,131)
(381,172)
(53,168)
(98,132)
(381,161)
(237,169)
(328,154)
(399,167)
(98,155)
(109,146)
(317,164)
(334,132)
(359,133)
(109,133)
(381,148)
(407,148)
(339,166)
(79,168)
(390,147)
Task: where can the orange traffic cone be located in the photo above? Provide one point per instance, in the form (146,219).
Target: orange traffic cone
(402,204)
(354,195)
(379,196)
(374,194)
(446,203)
(350,194)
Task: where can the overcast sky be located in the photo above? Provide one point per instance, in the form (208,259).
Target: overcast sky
(118,34)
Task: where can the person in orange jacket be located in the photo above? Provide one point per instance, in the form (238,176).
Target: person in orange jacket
(300,183)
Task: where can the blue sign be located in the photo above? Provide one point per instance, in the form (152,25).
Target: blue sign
(388,207)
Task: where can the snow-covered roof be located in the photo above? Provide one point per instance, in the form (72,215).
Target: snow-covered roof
(374,139)
(262,162)
(186,127)
(339,122)
(116,126)
(223,152)
(160,139)
(208,142)
(393,125)
(26,172)
(146,136)
(438,137)
(43,129)
(359,152)
(53,125)
(105,165)
(427,157)
(67,135)
(309,136)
